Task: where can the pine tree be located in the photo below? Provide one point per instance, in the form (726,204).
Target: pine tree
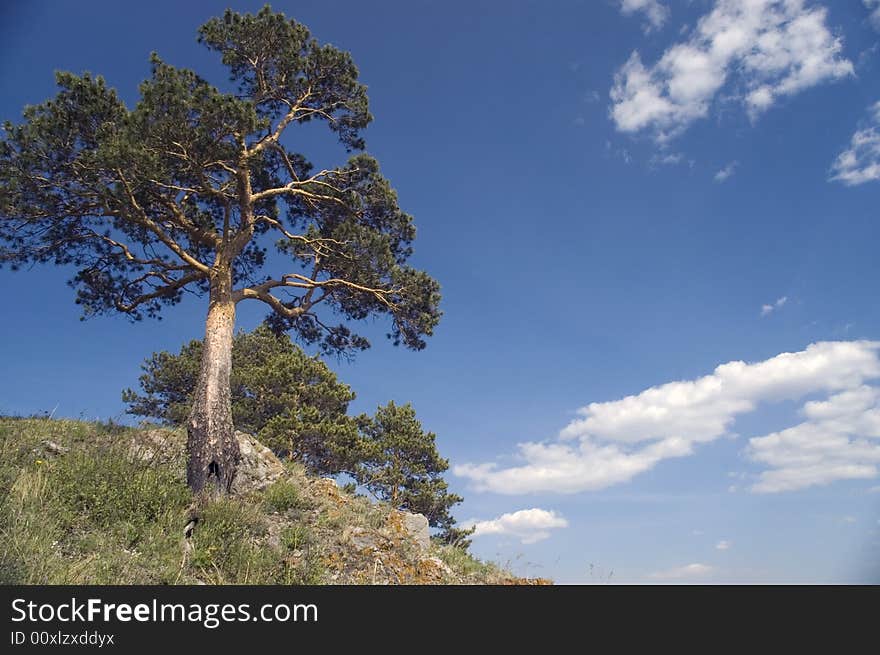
(187,190)
(401,465)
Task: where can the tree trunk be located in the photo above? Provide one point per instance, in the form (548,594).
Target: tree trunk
(212,451)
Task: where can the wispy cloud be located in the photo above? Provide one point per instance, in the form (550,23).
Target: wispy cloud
(621,153)
(860,162)
(723,545)
(726,172)
(873,7)
(528,525)
(772,307)
(768,49)
(670,159)
(654,12)
(614,441)
(687,572)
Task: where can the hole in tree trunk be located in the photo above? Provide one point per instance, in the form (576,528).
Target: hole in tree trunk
(214,476)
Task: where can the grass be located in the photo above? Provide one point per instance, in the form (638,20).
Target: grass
(95,515)
(458,559)
(282,496)
(101,514)
(99,503)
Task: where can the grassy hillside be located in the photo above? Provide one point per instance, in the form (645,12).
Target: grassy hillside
(91,503)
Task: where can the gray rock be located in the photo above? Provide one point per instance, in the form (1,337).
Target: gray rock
(435,566)
(54,448)
(154,446)
(417,527)
(362,539)
(258,468)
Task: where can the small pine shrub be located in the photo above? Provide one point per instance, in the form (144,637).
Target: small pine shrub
(282,496)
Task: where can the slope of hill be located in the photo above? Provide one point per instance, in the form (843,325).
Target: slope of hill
(92,503)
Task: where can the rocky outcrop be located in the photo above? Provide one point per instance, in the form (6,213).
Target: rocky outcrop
(348,537)
(258,468)
(416,525)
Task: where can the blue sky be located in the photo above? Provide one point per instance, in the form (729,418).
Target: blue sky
(614,195)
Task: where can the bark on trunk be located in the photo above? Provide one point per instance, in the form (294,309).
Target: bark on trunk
(212,450)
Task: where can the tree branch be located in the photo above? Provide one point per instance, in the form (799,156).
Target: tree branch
(294,187)
(126,252)
(297,281)
(282,124)
(151,225)
(166,290)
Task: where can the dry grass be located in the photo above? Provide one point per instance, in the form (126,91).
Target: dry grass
(91,503)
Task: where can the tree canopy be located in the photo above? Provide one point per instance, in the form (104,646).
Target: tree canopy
(162,198)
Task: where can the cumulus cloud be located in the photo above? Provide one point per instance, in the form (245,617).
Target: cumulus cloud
(726,172)
(840,439)
(687,572)
(764,50)
(611,442)
(860,162)
(528,525)
(722,545)
(772,307)
(654,11)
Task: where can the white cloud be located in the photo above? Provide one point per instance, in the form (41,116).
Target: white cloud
(873,7)
(848,519)
(722,545)
(838,440)
(655,12)
(769,309)
(765,49)
(614,441)
(860,162)
(668,159)
(528,525)
(726,172)
(683,572)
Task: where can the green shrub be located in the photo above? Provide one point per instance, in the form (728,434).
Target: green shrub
(282,496)
(296,537)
